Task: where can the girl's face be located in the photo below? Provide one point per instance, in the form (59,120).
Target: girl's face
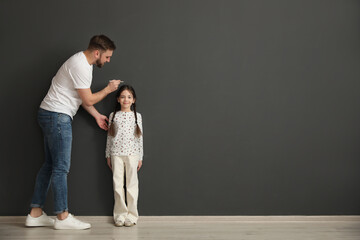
(126,99)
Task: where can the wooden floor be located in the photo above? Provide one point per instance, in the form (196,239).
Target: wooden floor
(197,227)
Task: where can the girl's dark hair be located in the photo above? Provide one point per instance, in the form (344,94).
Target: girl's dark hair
(117,107)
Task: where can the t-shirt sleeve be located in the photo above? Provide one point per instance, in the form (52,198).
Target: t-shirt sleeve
(81,77)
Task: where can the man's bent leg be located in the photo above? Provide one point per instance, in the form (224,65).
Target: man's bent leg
(38,218)
(42,183)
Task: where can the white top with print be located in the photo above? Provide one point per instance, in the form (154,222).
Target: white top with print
(125,143)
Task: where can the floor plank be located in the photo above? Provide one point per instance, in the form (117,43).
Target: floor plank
(197,227)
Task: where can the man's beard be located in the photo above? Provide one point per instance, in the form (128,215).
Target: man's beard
(99,64)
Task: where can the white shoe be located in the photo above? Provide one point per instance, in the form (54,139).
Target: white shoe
(42,221)
(71,223)
(129,223)
(119,223)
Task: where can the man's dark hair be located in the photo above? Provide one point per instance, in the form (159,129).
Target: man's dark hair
(102,43)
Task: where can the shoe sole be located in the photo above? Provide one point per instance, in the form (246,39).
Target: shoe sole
(65,228)
(130,225)
(33,226)
(38,225)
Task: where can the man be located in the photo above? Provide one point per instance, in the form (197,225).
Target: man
(69,89)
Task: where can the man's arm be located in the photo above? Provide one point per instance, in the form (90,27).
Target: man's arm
(101,120)
(89,99)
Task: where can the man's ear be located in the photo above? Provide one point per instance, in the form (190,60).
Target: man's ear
(97,54)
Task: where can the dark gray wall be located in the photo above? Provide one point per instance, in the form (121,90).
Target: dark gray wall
(249,107)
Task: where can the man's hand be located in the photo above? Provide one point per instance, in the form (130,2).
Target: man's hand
(139,165)
(113,85)
(102,121)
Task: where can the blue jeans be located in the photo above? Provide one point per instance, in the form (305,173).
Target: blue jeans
(57,131)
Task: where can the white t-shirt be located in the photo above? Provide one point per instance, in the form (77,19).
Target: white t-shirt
(62,97)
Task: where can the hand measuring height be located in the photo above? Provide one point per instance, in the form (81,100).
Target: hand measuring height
(114,84)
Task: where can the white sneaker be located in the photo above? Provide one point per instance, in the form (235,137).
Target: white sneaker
(129,223)
(42,221)
(71,223)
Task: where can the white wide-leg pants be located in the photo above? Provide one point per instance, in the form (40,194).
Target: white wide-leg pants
(125,165)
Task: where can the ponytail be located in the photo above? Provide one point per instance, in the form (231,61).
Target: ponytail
(111,130)
(137,129)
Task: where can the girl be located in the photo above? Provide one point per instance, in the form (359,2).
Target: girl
(124,153)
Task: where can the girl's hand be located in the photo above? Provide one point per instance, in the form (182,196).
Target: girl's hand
(139,165)
(109,163)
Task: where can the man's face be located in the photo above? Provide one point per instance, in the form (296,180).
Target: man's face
(104,57)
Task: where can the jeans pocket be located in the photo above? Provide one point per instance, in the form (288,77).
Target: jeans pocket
(45,119)
(64,118)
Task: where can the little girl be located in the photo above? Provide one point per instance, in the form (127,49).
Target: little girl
(124,154)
